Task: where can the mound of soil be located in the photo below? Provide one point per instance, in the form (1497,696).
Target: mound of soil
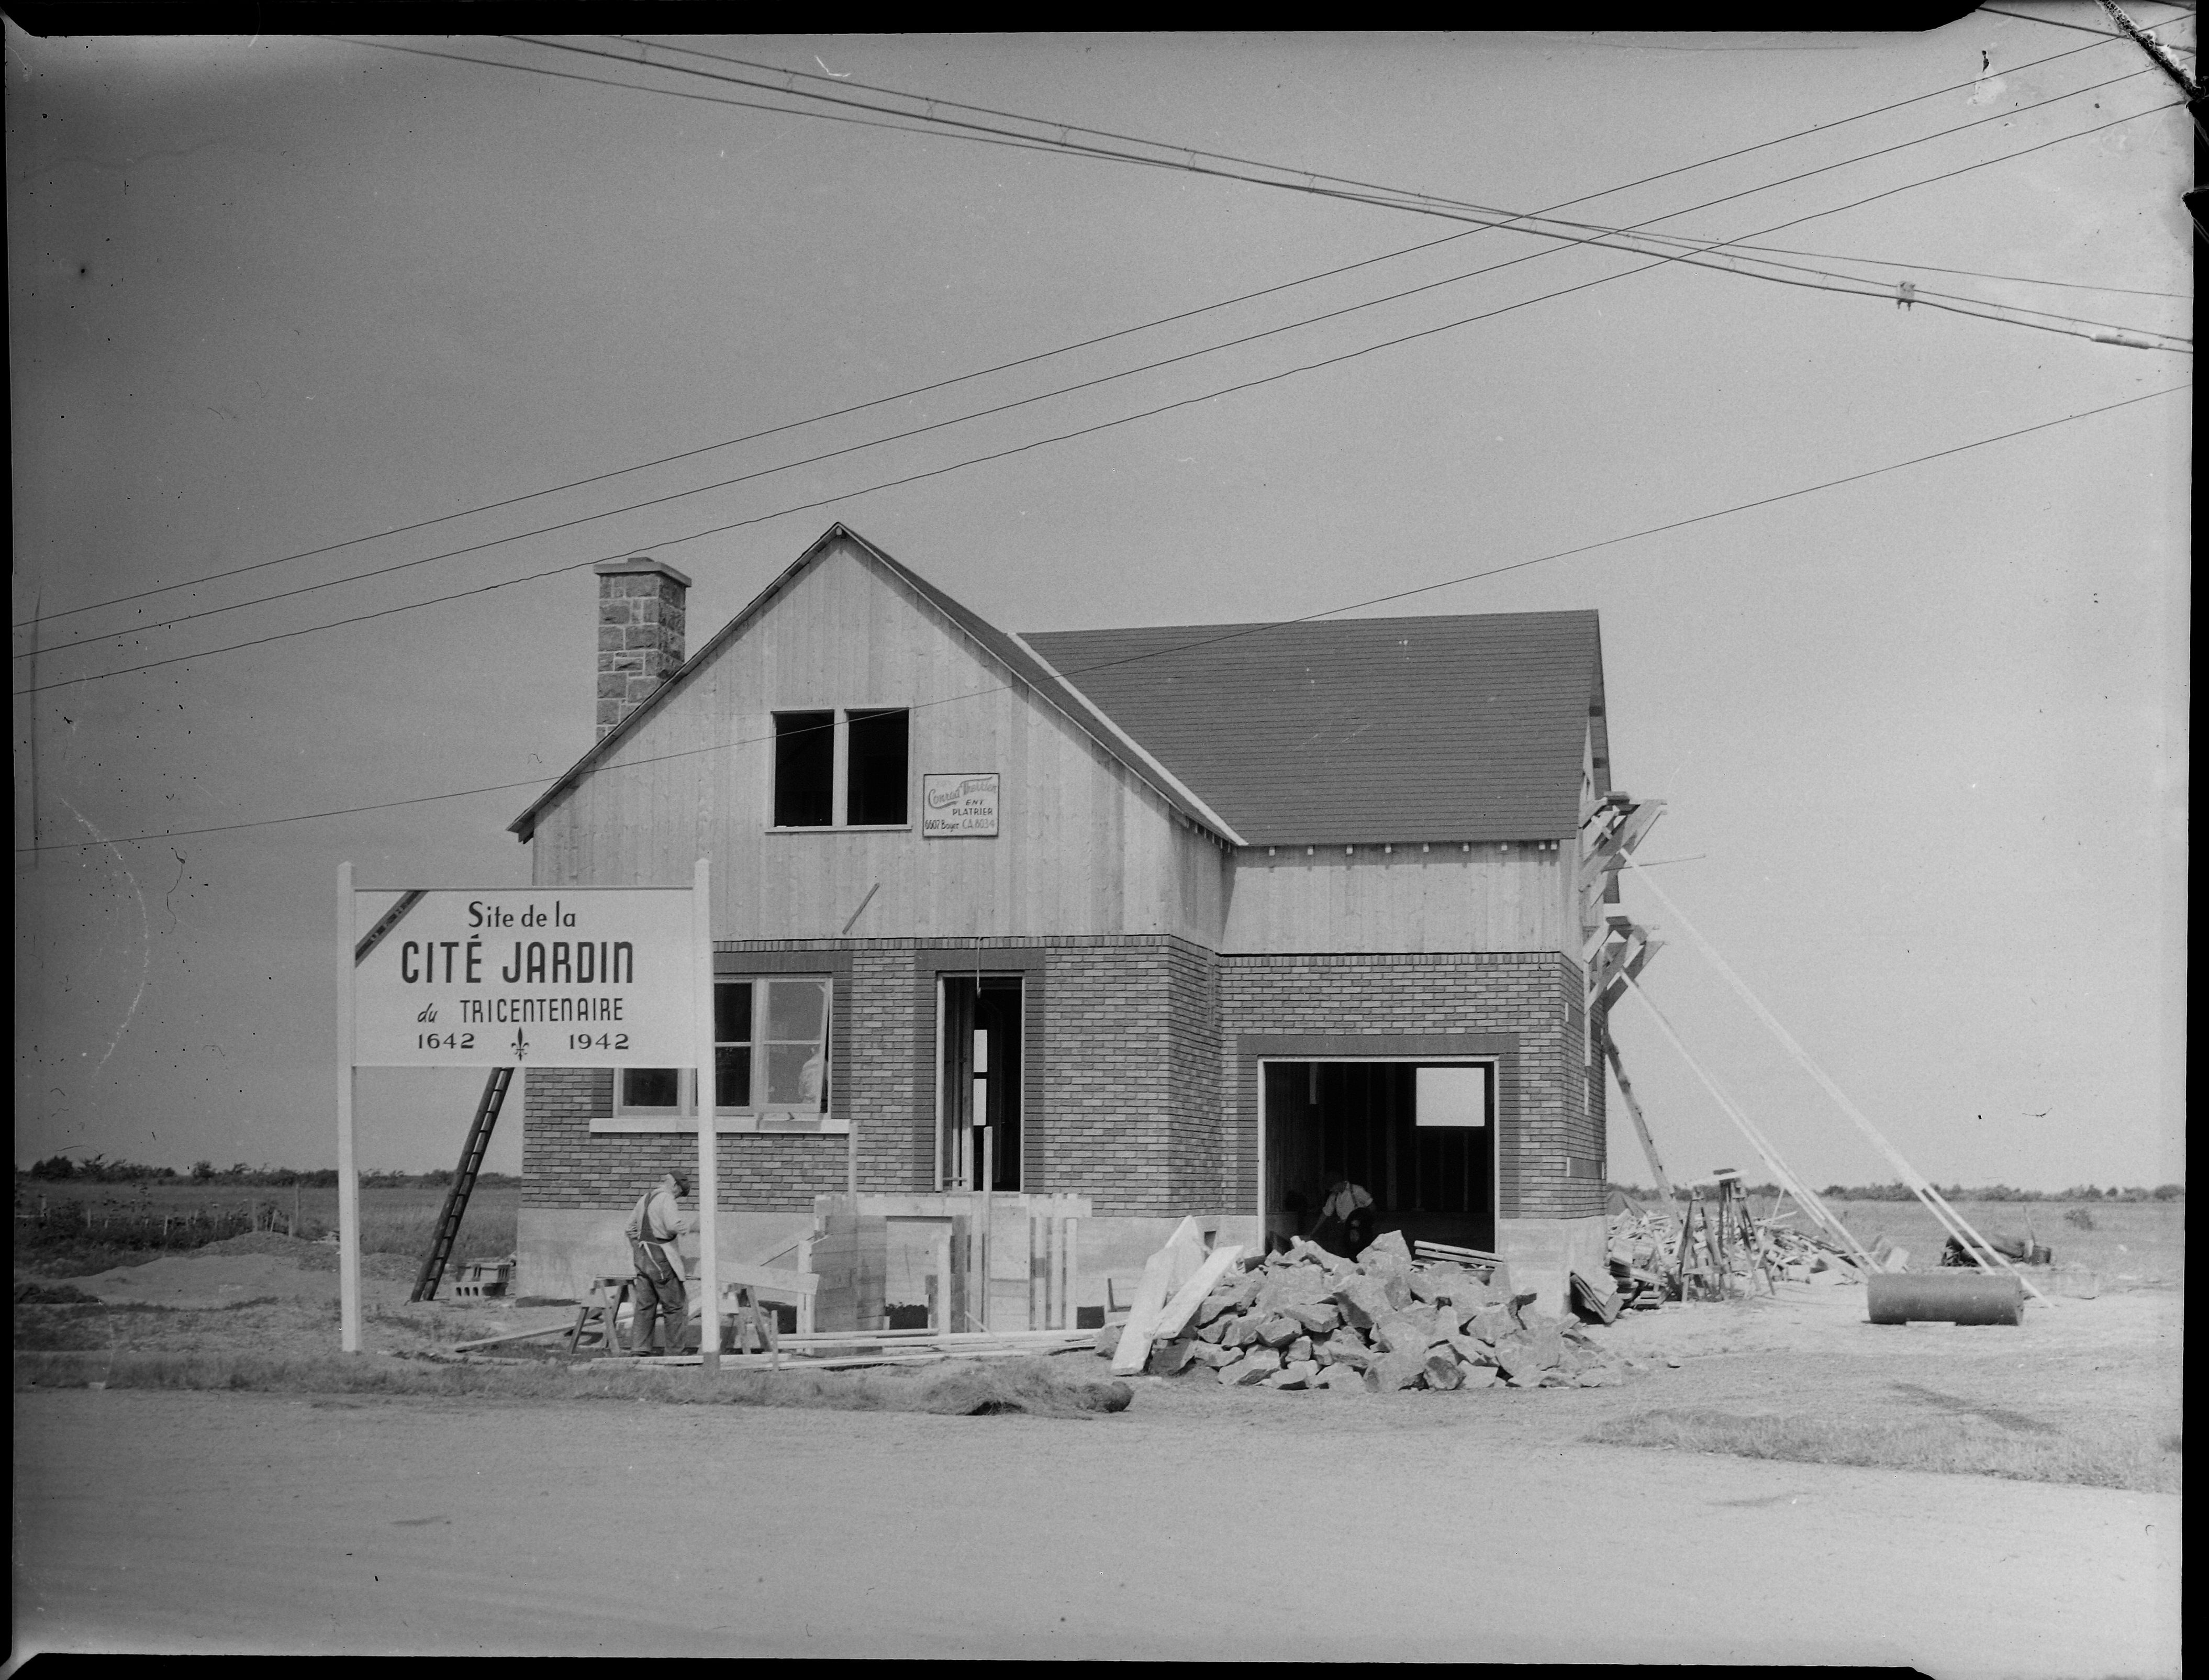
(52,1295)
(207,1279)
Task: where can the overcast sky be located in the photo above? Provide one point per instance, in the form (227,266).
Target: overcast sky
(1922,736)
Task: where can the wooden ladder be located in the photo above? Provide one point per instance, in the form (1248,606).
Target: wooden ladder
(464,1182)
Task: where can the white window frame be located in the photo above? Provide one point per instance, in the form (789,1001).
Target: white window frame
(839,769)
(750,1116)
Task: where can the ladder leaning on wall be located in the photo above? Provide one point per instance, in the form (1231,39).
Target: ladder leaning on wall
(464,1182)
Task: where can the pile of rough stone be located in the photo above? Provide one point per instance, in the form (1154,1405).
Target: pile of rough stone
(1308,1319)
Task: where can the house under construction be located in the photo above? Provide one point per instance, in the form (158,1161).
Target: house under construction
(1027,946)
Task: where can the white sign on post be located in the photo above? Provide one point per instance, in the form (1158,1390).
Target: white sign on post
(576,977)
(569,977)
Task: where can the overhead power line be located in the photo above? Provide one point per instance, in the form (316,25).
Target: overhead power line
(920,390)
(1266,379)
(1236,635)
(1175,156)
(1698,253)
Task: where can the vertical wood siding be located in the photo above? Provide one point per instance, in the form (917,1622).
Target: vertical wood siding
(1084,846)
(1489,899)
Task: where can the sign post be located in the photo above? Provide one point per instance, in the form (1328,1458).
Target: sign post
(348,1177)
(570,977)
(709,1187)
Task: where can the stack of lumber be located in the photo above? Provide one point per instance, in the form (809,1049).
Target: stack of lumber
(1308,1319)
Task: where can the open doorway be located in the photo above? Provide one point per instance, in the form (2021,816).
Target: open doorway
(981,1096)
(1418,1137)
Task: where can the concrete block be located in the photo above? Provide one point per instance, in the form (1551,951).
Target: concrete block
(1292,1285)
(1348,1347)
(1363,1300)
(1254,1367)
(1278,1330)
(1171,1359)
(1393,1372)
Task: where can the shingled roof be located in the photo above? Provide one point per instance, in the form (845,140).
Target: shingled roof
(1361,730)
(1351,732)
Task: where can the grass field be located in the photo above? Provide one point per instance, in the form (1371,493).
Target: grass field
(393,1219)
(2128,1243)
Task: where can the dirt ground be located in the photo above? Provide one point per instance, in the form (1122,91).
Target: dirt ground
(1386,1527)
(1201,1522)
(2091,1366)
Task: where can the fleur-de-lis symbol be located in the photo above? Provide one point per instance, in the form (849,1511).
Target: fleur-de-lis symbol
(520,1044)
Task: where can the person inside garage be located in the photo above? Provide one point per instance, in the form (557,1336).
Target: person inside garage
(1345,1218)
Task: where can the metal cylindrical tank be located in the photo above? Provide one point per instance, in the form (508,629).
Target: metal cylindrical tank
(1945,1297)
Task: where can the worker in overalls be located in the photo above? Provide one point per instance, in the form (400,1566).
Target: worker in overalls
(1345,1218)
(656,1221)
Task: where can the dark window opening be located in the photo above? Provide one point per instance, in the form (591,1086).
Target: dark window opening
(650,1087)
(732,1046)
(982,1032)
(874,785)
(805,769)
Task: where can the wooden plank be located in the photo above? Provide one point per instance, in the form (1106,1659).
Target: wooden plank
(1135,1345)
(1179,1310)
(1164,1273)
(768,1277)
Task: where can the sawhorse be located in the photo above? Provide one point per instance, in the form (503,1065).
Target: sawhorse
(601,1310)
(747,1319)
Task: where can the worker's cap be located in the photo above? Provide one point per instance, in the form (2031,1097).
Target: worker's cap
(682,1181)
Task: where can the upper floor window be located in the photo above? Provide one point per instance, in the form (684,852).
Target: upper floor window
(805,769)
(842,769)
(874,768)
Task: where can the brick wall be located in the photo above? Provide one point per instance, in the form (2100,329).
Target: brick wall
(566,1165)
(1199,1162)
(893,1016)
(1119,1089)
(1140,1092)
(1530,1000)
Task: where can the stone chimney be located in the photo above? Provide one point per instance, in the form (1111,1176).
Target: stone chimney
(640,632)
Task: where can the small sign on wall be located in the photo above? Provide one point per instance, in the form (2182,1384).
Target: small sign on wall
(959,804)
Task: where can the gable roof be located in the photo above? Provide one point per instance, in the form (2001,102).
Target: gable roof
(1007,651)
(1362,730)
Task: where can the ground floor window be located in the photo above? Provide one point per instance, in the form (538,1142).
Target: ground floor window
(771,1053)
(1353,1148)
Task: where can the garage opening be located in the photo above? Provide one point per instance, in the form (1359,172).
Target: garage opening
(1414,1140)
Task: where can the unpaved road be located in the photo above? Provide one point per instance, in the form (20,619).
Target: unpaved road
(170,1522)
